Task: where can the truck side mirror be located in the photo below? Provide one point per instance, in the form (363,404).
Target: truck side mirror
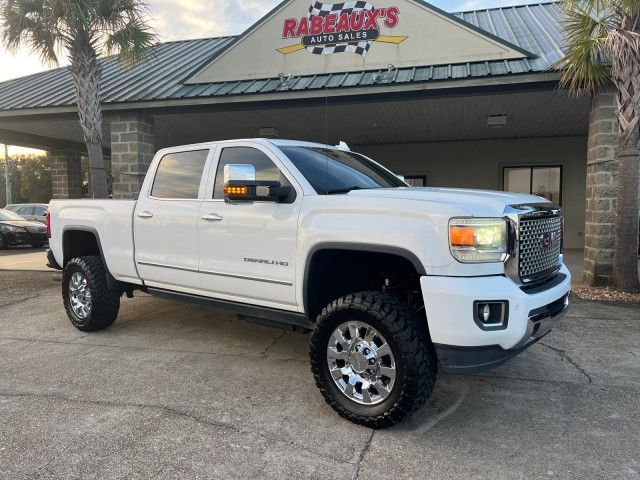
(240,185)
(239,171)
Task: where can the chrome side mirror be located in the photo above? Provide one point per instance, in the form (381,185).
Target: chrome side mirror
(239,172)
(240,185)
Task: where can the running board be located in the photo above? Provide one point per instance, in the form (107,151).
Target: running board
(270,316)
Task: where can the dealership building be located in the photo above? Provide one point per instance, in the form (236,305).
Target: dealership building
(468,99)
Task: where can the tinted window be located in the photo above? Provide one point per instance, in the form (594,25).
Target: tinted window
(336,171)
(179,175)
(25,211)
(265,168)
(40,211)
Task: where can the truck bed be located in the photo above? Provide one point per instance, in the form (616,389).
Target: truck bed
(112,220)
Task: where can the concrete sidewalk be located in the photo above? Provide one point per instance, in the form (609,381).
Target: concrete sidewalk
(24,258)
(177,391)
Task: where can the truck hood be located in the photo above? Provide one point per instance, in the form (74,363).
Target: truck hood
(31,226)
(479,203)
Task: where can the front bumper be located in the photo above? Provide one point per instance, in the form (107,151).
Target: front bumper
(24,238)
(462,345)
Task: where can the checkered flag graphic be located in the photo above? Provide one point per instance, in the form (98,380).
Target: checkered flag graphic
(323,9)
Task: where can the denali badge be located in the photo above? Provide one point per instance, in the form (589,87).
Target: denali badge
(547,240)
(267,262)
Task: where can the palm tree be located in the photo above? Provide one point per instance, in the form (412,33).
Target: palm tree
(603,49)
(81,29)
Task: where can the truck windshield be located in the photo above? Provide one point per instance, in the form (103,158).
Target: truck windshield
(332,171)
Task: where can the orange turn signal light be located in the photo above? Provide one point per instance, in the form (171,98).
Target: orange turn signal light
(461,236)
(236,190)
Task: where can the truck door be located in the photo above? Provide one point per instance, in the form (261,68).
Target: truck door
(247,249)
(166,221)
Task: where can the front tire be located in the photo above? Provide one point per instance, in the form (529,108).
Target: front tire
(372,359)
(89,302)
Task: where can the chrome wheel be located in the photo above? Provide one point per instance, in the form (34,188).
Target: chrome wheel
(361,363)
(79,295)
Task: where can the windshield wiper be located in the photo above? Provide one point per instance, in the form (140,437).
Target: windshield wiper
(343,189)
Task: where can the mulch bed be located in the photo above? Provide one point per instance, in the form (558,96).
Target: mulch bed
(606,294)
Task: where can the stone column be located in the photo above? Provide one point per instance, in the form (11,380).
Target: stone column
(601,190)
(66,174)
(132,149)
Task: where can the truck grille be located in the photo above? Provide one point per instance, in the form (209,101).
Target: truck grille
(539,247)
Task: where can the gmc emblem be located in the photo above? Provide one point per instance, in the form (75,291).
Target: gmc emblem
(548,240)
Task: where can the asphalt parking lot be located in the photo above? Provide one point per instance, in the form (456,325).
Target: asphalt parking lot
(176,391)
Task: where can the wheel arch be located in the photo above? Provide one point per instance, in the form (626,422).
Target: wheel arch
(311,279)
(80,241)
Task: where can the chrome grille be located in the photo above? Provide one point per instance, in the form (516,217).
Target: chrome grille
(539,247)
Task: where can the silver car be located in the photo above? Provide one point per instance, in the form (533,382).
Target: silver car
(30,211)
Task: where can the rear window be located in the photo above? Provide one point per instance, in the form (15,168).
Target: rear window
(26,210)
(179,175)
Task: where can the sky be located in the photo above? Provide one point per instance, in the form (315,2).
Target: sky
(183,19)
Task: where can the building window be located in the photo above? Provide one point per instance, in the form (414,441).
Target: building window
(179,175)
(541,181)
(416,180)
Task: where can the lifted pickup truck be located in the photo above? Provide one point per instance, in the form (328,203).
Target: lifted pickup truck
(393,281)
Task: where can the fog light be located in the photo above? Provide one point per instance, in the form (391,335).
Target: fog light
(486,313)
(491,314)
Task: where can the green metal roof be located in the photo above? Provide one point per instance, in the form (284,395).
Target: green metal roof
(535,28)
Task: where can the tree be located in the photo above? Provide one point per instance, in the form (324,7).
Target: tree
(82,29)
(14,175)
(603,48)
(35,178)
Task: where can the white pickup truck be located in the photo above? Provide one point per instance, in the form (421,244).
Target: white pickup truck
(393,281)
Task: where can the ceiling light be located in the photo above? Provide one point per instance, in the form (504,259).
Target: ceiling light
(268,132)
(497,121)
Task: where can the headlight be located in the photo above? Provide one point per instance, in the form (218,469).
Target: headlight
(11,228)
(478,240)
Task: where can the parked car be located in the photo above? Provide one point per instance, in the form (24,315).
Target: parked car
(30,211)
(395,282)
(16,230)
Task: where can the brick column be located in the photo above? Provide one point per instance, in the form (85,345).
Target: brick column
(66,174)
(132,149)
(601,190)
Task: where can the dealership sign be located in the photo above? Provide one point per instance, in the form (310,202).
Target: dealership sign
(303,38)
(348,27)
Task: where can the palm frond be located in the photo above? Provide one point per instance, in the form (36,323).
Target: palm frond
(28,23)
(585,66)
(132,41)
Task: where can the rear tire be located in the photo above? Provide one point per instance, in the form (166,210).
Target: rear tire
(89,303)
(394,380)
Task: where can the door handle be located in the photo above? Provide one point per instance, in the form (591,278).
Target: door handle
(145,214)
(212,217)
